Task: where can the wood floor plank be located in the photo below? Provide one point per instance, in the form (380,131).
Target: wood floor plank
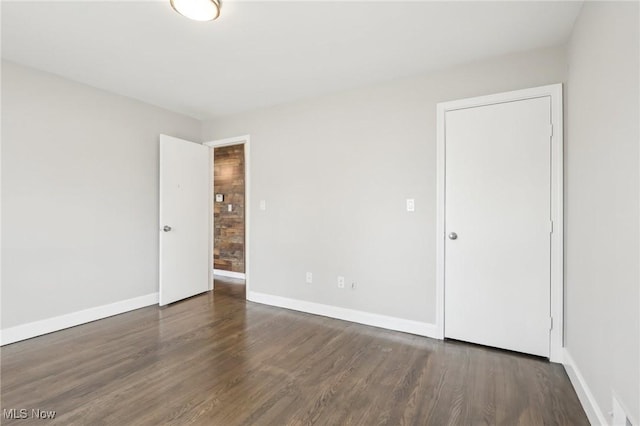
(216,359)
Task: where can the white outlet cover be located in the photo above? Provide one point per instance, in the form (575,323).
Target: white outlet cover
(263,205)
(618,414)
(340,282)
(309,277)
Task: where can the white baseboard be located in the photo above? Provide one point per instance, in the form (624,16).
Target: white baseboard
(229,274)
(588,401)
(38,328)
(367,318)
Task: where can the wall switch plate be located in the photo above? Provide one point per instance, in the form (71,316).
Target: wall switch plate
(263,205)
(411,205)
(340,282)
(219,198)
(309,277)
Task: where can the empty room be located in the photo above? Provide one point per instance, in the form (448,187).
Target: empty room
(320,212)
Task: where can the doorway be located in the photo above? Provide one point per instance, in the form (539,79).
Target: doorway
(230,211)
(500,220)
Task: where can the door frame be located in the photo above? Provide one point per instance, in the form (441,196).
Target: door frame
(554,92)
(237,140)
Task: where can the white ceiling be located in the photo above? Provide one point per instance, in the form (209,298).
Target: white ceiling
(265,53)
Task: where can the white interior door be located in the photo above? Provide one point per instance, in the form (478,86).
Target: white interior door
(184,219)
(497,203)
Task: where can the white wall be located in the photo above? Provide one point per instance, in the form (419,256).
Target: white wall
(79,195)
(602,203)
(335,172)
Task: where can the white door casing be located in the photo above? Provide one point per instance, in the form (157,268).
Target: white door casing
(500,190)
(185,202)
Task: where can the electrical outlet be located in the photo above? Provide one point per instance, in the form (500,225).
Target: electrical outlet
(263,205)
(340,282)
(618,414)
(309,277)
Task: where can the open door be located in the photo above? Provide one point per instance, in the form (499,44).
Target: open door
(184,219)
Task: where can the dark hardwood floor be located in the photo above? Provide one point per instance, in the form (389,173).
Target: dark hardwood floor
(216,359)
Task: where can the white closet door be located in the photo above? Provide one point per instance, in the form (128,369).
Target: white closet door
(497,220)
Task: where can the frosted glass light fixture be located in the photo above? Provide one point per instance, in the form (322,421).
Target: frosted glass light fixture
(198,10)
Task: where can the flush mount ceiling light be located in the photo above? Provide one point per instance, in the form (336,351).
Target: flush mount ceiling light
(198,10)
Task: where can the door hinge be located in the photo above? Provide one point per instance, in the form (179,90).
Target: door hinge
(551,227)
(550,323)
(550,130)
